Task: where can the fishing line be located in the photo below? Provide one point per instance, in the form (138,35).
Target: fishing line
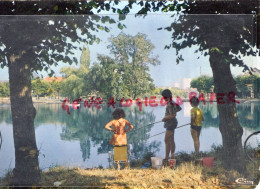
(145,126)
(148,143)
(165,131)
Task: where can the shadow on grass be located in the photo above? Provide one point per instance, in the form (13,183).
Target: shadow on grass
(186,172)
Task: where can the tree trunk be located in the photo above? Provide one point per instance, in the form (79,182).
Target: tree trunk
(229,126)
(26,171)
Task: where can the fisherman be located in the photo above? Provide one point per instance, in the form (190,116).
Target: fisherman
(170,123)
(196,123)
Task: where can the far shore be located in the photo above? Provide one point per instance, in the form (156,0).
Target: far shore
(46,100)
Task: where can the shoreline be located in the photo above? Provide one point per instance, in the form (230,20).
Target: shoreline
(6,101)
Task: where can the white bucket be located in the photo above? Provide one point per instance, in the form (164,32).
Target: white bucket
(156,162)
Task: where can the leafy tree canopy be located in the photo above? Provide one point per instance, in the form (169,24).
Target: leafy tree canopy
(126,75)
(135,50)
(49,39)
(202,84)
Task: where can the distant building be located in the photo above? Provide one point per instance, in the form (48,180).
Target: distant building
(186,109)
(175,85)
(184,83)
(51,79)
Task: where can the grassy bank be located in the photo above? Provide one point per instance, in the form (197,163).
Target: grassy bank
(186,175)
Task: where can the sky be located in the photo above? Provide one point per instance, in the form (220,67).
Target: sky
(168,71)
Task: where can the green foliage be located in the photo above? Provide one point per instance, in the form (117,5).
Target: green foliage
(41,88)
(85,58)
(179,92)
(49,40)
(74,86)
(4,89)
(56,38)
(134,50)
(202,84)
(229,36)
(126,75)
(56,86)
(175,92)
(105,79)
(243,82)
(157,91)
(258,84)
(205,84)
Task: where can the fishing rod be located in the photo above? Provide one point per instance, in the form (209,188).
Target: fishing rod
(146,126)
(165,131)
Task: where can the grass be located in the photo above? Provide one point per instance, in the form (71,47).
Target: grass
(185,175)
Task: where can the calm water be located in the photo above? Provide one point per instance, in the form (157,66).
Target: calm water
(79,139)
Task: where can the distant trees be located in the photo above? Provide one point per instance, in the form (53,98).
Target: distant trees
(4,89)
(41,88)
(123,75)
(56,86)
(106,78)
(203,84)
(175,92)
(244,83)
(85,58)
(134,55)
(74,84)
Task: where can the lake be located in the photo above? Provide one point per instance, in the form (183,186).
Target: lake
(80,140)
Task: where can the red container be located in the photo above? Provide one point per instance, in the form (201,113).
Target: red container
(208,161)
(172,163)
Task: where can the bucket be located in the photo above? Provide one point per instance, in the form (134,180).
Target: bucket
(172,163)
(156,162)
(208,161)
(199,162)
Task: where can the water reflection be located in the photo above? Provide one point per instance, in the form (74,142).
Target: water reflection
(211,115)
(80,138)
(86,125)
(5,114)
(249,115)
